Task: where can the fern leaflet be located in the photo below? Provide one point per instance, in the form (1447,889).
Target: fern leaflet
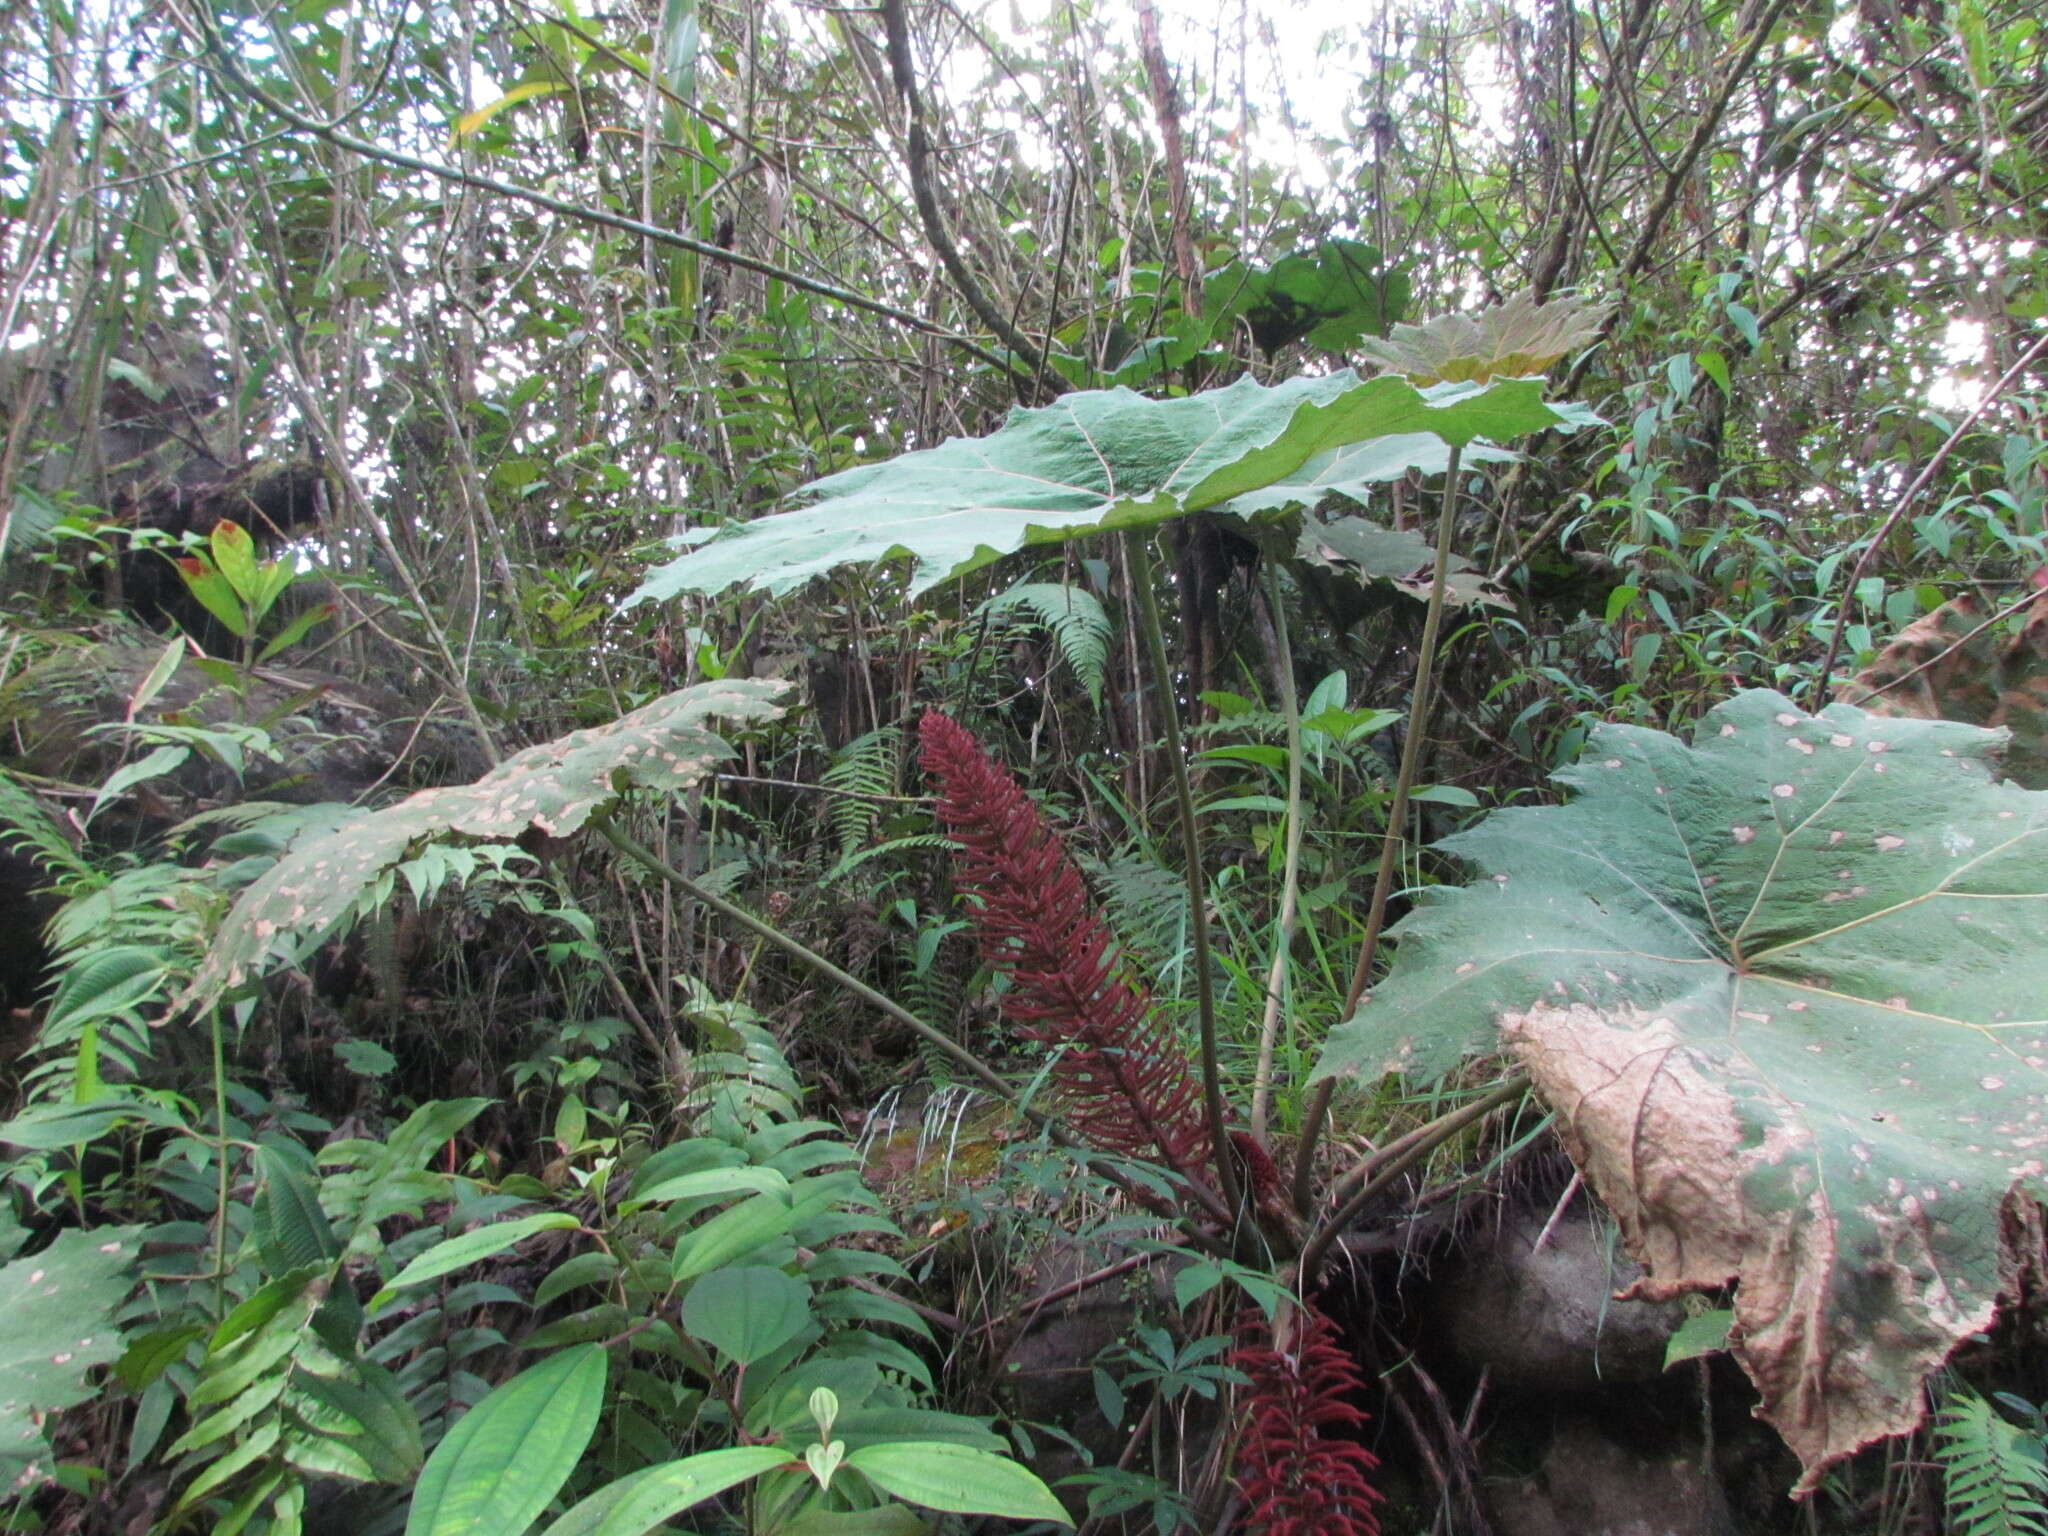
(1075,619)
(1996,1477)
(865,767)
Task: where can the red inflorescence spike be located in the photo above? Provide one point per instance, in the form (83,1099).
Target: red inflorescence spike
(1296,1479)
(1127,1083)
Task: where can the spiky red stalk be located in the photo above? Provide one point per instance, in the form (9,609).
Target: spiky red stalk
(1296,1479)
(1127,1084)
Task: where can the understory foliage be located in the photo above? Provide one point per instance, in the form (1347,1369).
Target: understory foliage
(497,1038)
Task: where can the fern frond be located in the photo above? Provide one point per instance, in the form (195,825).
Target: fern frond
(866,766)
(1128,1083)
(1075,619)
(1148,906)
(27,825)
(1994,1471)
(860,856)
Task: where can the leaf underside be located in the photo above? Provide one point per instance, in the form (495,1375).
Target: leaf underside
(555,788)
(58,1305)
(1785,989)
(1098,460)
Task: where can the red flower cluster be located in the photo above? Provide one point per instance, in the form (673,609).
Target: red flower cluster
(1128,1086)
(1296,1480)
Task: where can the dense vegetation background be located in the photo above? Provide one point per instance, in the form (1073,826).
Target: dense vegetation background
(461,313)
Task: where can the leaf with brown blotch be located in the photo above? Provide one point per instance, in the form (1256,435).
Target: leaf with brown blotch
(1952,665)
(1784,987)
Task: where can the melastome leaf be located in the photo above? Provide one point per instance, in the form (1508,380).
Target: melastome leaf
(1090,461)
(1786,990)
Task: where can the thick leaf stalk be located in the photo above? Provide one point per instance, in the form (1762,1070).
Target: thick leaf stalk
(1127,1084)
(1299,1477)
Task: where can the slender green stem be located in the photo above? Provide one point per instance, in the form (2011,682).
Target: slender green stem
(1191,856)
(220,1160)
(1290,875)
(1420,699)
(983,1073)
(1420,1145)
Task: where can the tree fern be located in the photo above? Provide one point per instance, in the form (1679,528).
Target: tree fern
(1995,1474)
(1075,619)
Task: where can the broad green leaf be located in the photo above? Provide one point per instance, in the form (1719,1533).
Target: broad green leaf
(747,1311)
(354,1422)
(957,1479)
(1700,1335)
(716,1181)
(234,556)
(555,787)
(296,631)
(1785,989)
(215,592)
(504,1460)
(1337,559)
(290,1229)
(637,1504)
(154,764)
(1089,461)
(58,1306)
(46,1127)
(1355,469)
(159,674)
(468,1248)
(1329,296)
(104,983)
(732,1235)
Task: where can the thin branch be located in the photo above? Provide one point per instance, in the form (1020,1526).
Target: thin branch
(1906,500)
(896,27)
(1290,879)
(984,1074)
(225,65)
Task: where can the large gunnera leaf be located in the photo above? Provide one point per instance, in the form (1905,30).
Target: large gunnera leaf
(1096,460)
(1787,990)
(58,1309)
(553,788)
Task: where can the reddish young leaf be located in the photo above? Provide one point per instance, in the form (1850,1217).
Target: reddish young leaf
(1127,1082)
(1296,1479)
